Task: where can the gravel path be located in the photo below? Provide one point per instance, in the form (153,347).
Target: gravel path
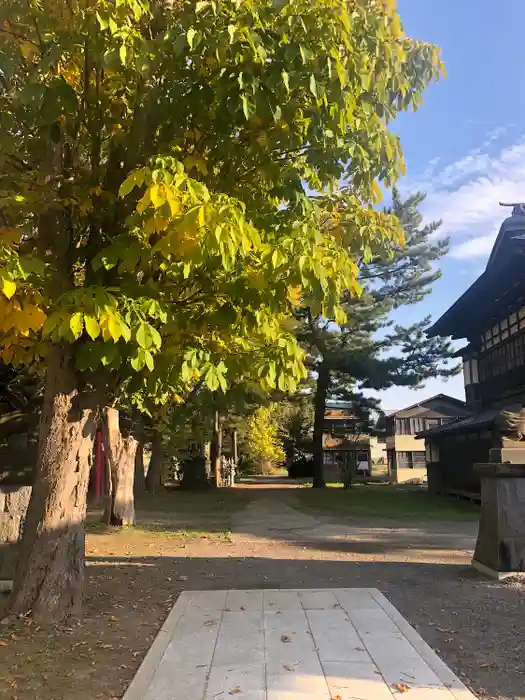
(135,576)
(477,626)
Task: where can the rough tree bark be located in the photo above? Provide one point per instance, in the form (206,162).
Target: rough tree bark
(154,475)
(49,576)
(120,507)
(321,392)
(14,501)
(140,479)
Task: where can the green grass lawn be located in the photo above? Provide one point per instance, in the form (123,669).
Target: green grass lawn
(386,501)
(179,513)
(181,501)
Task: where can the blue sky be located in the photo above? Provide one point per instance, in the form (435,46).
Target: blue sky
(466,146)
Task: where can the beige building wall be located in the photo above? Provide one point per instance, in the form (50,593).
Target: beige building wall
(407,443)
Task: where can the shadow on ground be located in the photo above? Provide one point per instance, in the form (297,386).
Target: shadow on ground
(476,626)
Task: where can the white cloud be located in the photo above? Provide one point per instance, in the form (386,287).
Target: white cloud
(475,247)
(466,193)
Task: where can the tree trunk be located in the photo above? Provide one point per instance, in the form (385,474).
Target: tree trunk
(265,466)
(49,577)
(120,506)
(14,501)
(154,475)
(216,451)
(321,391)
(140,480)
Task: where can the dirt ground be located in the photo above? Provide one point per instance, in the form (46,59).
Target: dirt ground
(262,539)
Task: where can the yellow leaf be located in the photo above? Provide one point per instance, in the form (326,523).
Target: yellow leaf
(92,326)
(174,202)
(294,295)
(76,323)
(103,323)
(144,202)
(8,287)
(157,195)
(114,327)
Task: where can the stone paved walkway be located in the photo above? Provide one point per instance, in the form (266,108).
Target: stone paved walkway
(339,644)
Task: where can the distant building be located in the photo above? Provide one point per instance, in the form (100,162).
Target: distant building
(345,442)
(490,315)
(405,450)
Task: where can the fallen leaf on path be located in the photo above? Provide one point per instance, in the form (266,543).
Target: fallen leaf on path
(445,630)
(209,623)
(234,691)
(402,687)
(285,639)
(3,644)
(288,668)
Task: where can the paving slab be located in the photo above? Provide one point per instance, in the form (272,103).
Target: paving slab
(323,644)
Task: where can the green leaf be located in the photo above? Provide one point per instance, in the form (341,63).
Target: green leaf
(103,23)
(135,179)
(76,324)
(143,336)
(155,337)
(139,360)
(201,5)
(125,331)
(185,372)
(232,31)
(286,81)
(190,36)
(148,358)
(247,107)
(92,327)
(123,54)
(211,379)
(313,85)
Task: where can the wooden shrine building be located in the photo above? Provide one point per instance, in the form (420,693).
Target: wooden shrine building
(490,316)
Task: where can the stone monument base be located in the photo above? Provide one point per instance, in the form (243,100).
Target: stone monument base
(496,575)
(500,547)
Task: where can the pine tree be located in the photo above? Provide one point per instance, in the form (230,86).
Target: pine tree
(368,351)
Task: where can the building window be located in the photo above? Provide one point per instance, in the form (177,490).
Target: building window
(411,460)
(419,460)
(404,460)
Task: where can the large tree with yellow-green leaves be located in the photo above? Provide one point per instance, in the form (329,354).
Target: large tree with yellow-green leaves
(155,227)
